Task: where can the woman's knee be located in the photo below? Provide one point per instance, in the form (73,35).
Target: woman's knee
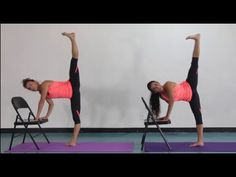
(76,120)
(198,117)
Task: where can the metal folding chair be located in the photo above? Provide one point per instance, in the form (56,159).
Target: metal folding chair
(152,121)
(20,103)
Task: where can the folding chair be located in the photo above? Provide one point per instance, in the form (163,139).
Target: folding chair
(20,103)
(152,121)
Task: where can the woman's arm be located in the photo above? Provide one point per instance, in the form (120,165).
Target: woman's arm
(50,108)
(43,92)
(169,86)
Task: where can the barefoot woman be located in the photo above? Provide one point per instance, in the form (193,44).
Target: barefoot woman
(185,91)
(68,89)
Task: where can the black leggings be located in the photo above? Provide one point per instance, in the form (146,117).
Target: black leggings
(75,83)
(192,79)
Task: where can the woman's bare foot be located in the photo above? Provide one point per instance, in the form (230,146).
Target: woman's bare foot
(197,144)
(69,35)
(194,37)
(71,143)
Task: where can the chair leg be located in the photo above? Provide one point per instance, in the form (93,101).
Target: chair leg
(144,134)
(167,144)
(24,135)
(26,128)
(144,137)
(12,137)
(43,133)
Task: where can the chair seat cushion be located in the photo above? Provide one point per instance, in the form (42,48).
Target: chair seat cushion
(158,121)
(31,122)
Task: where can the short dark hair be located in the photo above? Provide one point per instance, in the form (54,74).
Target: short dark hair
(25,81)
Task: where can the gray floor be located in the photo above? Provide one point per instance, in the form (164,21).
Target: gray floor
(126,137)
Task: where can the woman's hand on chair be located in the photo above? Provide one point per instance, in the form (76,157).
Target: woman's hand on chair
(165,118)
(43,118)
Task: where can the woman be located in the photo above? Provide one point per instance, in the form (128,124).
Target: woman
(68,89)
(185,91)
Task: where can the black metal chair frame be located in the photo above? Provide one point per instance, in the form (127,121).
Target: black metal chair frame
(152,121)
(20,103)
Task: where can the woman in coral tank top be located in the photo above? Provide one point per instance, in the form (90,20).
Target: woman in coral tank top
(69,89)
(185,91)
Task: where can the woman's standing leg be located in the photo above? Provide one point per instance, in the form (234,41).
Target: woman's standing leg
(193,79)
(75,82)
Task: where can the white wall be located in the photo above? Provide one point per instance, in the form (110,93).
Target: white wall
(116,62)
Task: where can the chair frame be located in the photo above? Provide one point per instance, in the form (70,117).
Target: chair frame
(155,122)
(20,103)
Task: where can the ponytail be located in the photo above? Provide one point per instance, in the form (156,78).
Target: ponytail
(154,100)
(155,103)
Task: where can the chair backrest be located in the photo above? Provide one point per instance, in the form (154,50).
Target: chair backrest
(149,111)
(19,102)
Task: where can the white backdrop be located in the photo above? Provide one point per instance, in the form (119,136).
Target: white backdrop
(116,62)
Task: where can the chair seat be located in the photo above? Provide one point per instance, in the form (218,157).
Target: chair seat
(157,121)
(31,122)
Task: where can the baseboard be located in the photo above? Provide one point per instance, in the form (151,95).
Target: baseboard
(121,130)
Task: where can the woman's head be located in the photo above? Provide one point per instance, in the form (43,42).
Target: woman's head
(30,84)
(154,87)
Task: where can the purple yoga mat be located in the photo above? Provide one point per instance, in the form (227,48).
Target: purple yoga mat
(80,147)
(184,147)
